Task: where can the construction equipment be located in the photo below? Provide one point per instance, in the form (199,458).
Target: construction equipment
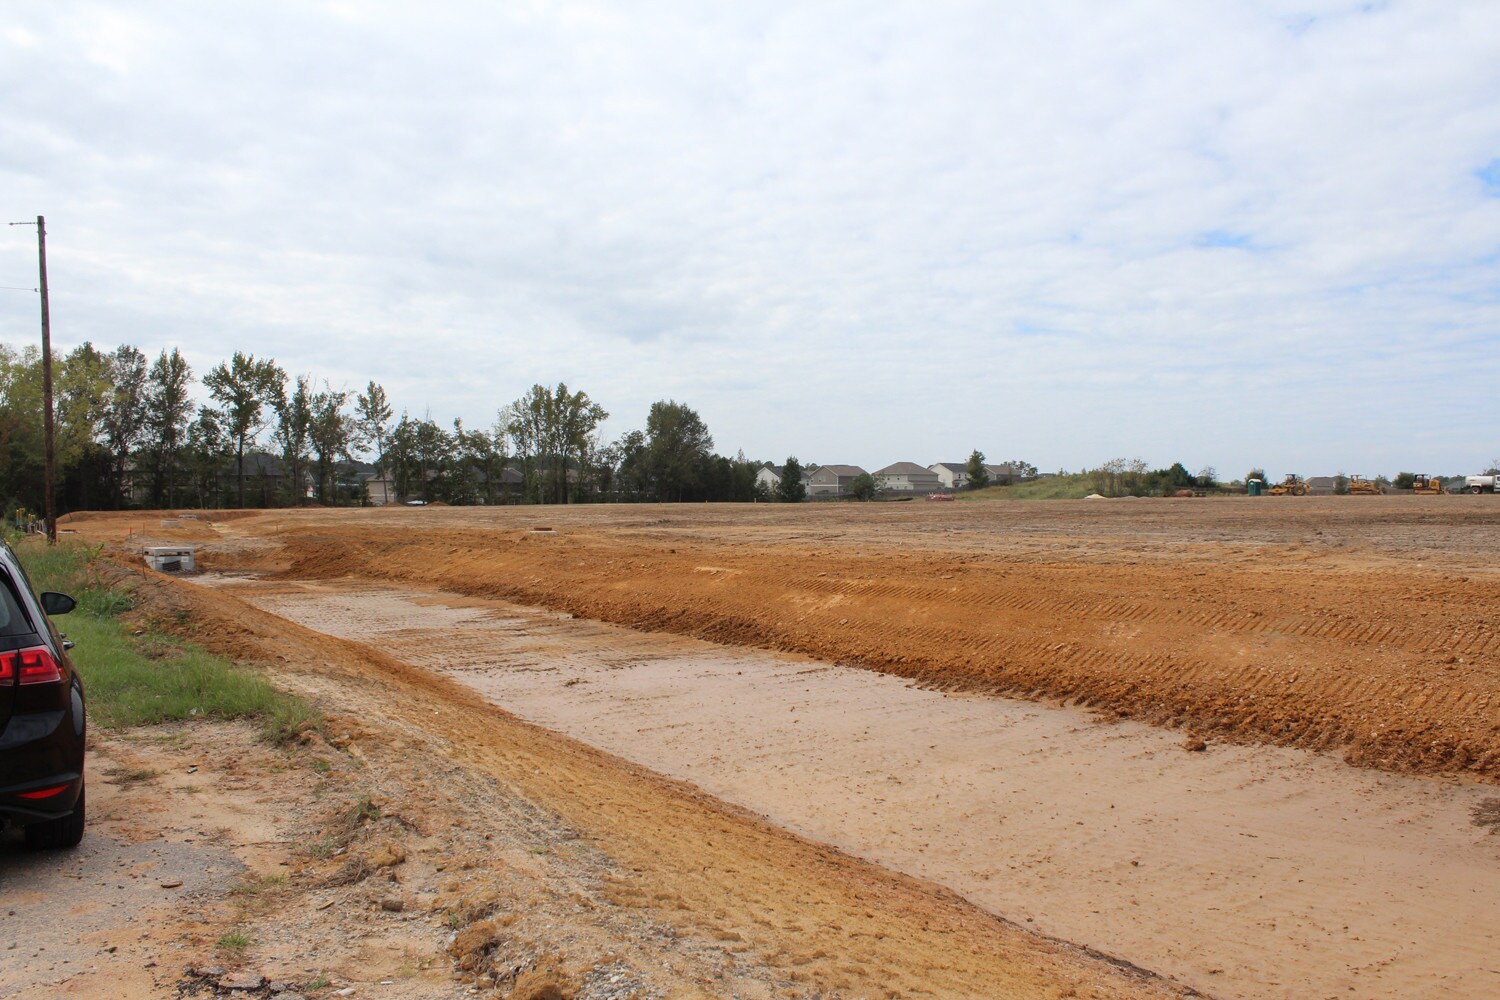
(1292,484)
(1360,485)
(1428,485)
(1482,483)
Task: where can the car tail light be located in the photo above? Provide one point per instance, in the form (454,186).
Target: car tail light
(44,793)
(32,666)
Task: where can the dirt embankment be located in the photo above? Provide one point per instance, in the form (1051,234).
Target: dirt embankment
(1319,648)
(715,900)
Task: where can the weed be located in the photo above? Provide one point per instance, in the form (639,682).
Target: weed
(234,944)
(319,982)
(255,885)
(321,848)
(131,775)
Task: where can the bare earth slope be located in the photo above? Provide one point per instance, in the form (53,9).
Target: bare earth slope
(714,880)
(1369,625)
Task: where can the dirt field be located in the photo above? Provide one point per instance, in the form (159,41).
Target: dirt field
(1364,626)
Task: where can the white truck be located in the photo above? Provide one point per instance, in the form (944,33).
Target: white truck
(1480,484)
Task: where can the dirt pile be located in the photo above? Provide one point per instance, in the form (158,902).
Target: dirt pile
(1393,667)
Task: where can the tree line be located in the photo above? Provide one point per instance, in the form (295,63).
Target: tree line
(129,433)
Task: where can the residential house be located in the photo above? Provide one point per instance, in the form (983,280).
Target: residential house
(908,477)
(951,475)
(832,480)
(1002,475)
(769,476)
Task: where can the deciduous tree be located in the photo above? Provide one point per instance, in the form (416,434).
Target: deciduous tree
(976,476)
(791,488)
(243,387)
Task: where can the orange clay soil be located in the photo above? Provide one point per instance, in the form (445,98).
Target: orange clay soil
(712,876)
(1362,624)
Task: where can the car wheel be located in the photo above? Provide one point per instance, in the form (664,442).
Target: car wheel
(1476,489)
(58,833)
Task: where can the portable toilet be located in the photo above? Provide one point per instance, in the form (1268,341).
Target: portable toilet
(1254,487)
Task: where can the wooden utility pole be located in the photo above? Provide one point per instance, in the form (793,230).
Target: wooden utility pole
(47,428)
(49,487)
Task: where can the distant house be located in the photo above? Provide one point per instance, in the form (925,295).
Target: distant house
(769,476)
(1321,486)
(1002,475)
(908,477)
(951,475)
(264,480)
(832,480)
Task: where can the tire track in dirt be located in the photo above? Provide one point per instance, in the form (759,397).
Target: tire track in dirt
(1321,659)
(1250,873)
(712,873)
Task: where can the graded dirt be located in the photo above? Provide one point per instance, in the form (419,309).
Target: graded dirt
(1362,626)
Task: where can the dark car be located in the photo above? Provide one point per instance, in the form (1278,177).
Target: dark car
(41,715)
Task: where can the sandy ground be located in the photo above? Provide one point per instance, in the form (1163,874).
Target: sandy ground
(196,832)
(1277,629)
(544,856)
(1242,872)
(1368,625)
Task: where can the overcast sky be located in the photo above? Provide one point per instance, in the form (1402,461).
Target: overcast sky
(1217,233)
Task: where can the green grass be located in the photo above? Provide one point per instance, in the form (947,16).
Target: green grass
(135,677)
(1074,487)
(234,944)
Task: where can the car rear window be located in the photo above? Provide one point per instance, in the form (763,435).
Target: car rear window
(13,620)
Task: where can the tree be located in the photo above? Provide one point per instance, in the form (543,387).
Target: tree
(677,446)
(293,434)
(83,388)
(1024,469)
(1340,485)
(1208,477)
(791,489)
(1256,473)
(372,416)
(124,420)
(206,450)
(480,465)
(242,388)
(633,478)
(21,462)
(328,432)
(976,476)
(550,429)
(864,487)
(1405,480)
(167,410)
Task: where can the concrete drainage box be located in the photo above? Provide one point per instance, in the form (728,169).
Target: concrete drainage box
(170,558)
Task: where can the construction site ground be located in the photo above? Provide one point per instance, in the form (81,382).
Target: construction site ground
(1242,747)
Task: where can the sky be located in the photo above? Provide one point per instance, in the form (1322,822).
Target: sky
(1232,234)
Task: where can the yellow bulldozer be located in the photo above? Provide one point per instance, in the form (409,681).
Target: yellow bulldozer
(1292,484)
(1428,485)
(1359,485)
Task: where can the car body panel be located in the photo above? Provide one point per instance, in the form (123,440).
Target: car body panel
(42,726)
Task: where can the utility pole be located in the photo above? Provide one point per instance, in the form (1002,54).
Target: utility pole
(50,468)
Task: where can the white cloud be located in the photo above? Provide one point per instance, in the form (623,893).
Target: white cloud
(851,232)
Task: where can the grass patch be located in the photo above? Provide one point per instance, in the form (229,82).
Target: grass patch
(1073,487)
(137,678)
(234,944)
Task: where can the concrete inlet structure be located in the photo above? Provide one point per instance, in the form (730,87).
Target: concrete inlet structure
(170,558)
